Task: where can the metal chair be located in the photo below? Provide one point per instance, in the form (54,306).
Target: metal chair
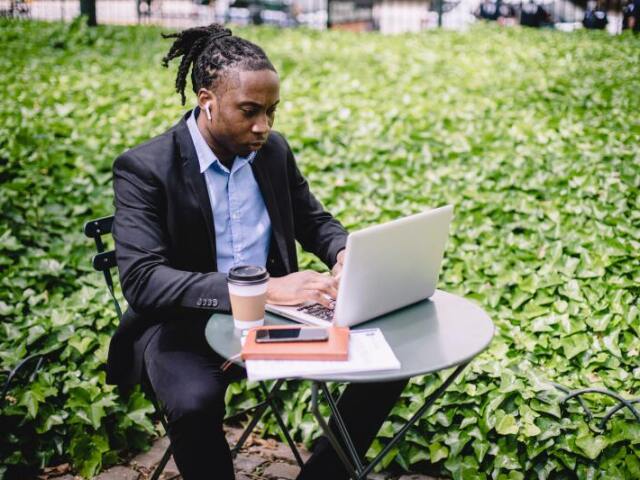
(104,261)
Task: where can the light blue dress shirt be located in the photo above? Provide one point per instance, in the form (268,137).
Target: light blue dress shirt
(240,217)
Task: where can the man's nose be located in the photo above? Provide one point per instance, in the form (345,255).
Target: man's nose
(261,125)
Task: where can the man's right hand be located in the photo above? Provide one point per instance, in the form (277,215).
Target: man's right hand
(300,287)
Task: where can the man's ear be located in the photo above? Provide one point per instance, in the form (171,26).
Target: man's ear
(207,97)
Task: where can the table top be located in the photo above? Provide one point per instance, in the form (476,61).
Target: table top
(441,332)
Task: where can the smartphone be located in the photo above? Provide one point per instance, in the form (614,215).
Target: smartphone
(294,334)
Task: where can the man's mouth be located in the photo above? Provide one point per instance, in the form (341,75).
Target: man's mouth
(256,145)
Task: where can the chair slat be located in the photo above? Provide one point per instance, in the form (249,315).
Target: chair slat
(99,226)
(104,261)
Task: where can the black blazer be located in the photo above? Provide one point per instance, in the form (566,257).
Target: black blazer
(165,238)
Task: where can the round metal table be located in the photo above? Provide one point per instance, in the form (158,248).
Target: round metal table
(441,332)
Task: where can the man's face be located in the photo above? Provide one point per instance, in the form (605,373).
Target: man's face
(243,111)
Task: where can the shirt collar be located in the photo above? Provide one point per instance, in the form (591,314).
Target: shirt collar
(206,157)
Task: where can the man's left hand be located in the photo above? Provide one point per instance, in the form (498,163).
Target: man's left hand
(336,271)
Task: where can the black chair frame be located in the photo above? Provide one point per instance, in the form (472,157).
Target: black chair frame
(104,261)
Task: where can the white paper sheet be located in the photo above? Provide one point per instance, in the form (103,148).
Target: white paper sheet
(368,352)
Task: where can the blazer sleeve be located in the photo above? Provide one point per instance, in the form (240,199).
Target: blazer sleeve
(149,283)
(316,229)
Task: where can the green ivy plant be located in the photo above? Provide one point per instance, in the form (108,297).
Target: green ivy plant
(532,135)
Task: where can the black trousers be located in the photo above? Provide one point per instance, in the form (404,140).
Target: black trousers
(185,375)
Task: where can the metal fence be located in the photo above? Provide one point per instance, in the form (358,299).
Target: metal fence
(387,16)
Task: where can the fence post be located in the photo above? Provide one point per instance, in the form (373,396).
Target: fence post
(88,8)
(440,8)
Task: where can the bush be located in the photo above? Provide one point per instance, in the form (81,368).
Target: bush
(532,135)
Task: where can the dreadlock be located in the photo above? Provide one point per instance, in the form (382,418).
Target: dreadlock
(211,50)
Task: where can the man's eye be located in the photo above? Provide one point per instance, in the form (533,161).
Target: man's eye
(271,112)
(249,112)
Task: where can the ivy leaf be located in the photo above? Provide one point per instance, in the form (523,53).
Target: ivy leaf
(575,344)
(572,291)
(456,440)
(509,382)
(480,449)
(81,344)
(30,400)
(437,452)
(464,467)
(591,445)
(88,452)
(507,425)
(611,342)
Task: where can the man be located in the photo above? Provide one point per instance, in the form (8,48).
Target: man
(595,16)
(488,10)
(631,15)
(217,190)
(534,15)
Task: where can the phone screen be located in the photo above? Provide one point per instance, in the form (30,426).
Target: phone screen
(279,334)
(291,335)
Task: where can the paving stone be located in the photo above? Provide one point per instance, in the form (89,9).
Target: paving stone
(232,434)
(169,476)
(170,471)
(151,458)
(377,476)
(281,471)
(247,463)
(56,471)
(282,451)
(119,473)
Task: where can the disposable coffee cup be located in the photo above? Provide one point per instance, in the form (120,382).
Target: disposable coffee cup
(248,293)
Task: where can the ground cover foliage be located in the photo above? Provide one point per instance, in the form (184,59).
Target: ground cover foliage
(532,135)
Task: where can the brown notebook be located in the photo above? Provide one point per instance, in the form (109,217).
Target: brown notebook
(335,348)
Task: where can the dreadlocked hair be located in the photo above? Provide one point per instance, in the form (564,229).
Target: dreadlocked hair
(211,50)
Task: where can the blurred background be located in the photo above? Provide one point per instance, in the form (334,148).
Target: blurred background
(386,16)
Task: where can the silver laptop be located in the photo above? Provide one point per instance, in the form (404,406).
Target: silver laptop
(386,267)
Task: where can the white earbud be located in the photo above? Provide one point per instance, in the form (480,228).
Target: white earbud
(207,110)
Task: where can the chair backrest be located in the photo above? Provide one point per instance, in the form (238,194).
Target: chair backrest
(104,260)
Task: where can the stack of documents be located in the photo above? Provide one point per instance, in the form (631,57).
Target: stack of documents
(368,352)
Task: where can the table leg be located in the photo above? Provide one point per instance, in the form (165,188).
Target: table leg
(283,427)
(429,401)
(342,427)
(327,431)
(256,417)
(354,466)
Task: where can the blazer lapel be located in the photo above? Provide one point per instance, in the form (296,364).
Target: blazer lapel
(195,180)
(261,174)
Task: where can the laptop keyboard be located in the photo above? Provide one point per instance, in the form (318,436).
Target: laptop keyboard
(318,311)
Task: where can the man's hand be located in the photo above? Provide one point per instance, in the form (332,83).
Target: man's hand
(336,271)
(299,287)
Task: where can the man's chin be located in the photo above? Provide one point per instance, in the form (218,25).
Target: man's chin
(246,149)
(241,151)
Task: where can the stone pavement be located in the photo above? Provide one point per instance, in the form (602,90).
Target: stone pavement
(260,459)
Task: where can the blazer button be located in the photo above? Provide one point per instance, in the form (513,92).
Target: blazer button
(199,302)
(214,302)
(272,261)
